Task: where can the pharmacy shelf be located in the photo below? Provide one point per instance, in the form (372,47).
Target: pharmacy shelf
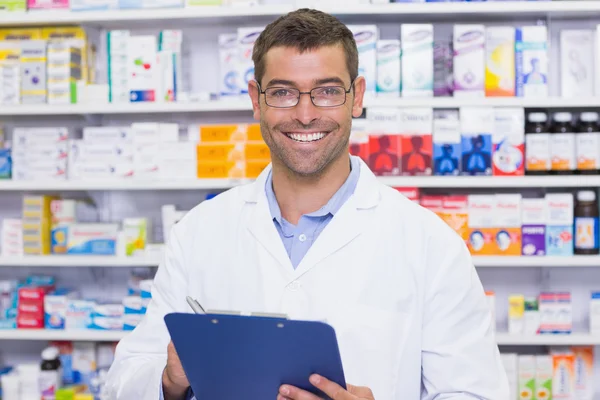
(235,104)
(220,184)
(70,335)
(351,12)
(72,261)
(544,261)
(579,339)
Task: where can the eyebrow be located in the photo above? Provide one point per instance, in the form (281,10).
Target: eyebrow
(316,82)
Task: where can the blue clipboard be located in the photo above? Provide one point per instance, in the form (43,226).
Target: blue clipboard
(229,357)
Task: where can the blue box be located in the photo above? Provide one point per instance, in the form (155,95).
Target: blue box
(8,323)
(55,308)
(106,323)
(108,311)
(133,305)
(5,164)
(476,154)
(559,240)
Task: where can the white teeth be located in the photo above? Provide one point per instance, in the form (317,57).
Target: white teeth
(306,137)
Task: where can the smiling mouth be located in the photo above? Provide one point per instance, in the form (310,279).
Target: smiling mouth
(306,137)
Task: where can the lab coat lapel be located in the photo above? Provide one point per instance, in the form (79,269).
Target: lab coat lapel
(260,222)
(347,224)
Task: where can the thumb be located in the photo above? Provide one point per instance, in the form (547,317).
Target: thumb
(360,392)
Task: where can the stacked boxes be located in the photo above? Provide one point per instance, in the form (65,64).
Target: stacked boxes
(36,224)
(31,296)
(118,75)
(33,72)
(71,37)
(39,153)
(106,317)
(63,216)
(230,151)
(103,153)
(64,71)
(366,37)
(10,73)
(157,151)
(11,237)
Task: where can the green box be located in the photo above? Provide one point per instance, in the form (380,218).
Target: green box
(13,5)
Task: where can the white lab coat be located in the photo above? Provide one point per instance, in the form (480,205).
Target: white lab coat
(393,279)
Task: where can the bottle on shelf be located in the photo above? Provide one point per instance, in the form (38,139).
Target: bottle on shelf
(51,373)
(586,223)
(562,144)
(588,144)
(537,144)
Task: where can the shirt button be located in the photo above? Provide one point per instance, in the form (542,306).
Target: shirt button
(302,237)
(294,286)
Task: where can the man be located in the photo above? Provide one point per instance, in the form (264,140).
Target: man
(317,237)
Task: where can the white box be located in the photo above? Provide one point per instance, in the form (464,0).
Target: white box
(388,68)
(228,64)
(177,151)
(577,63)
(30,136)
(107,134)
(544,368)
(100,171)
(417,60)
(560,208)
(511,366)
(508,141)
(531,61)
(142,68)
(81,151)
(469,60)
(42,151)
(526,379)
(482,210)
(167,77)
(151,132)
(366,37)
(245,44)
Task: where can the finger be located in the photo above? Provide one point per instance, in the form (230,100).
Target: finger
(331,389)
(293,393)
(280,397)
(360,391)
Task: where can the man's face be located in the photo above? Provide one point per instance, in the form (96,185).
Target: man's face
(307,139)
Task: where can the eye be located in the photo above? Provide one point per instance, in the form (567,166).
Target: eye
(329,91)
(280,93)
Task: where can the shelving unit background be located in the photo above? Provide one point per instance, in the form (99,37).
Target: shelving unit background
(201,66)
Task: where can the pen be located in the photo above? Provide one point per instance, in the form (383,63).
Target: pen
(195,306)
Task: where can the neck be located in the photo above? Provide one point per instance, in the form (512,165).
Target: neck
(298,195)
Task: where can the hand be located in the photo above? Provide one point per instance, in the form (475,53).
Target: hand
(331,389)
(174,380)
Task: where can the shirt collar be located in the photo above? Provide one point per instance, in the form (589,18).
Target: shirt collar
(333,205)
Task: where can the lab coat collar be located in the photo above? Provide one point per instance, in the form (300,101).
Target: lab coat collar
(366,195)
(346,225)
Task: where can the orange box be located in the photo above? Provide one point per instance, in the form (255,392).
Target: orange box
(255,167)
(220,151)
(224,133)
(481,219)
(508,238)
(257,150)
(221,169)
(563,387)
(253,132)
(455,212)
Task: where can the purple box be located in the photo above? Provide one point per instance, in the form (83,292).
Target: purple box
(533,229)
(443,76)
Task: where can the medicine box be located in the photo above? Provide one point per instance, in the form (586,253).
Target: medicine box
(533,229)
(63,215)
(443,77)
(482,220)
(476,125)
(92,239)
(531,61)
(417,60)
(455,213)
(105,134)
(223,133)
(500,61)
(595,313)
(55,308)
(78,313)
(564,370)
(508,224)
(228,64)
(359,139)
(10,73)
(93,5)
(469,60)
(385,140)
(136,231)
(446,142)
(245,45)
(84,362)
(366,37)
(526,380)
(577,63)
(106,323)
(559,228)
(132,305)
(543,377)
(142,68)
(584,372)
(26,137)
(33,71)
(416,146)
(388,68)
(508,139)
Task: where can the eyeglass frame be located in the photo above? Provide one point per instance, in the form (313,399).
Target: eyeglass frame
(346,92)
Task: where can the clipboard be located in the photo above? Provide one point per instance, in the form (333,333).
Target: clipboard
(229,357)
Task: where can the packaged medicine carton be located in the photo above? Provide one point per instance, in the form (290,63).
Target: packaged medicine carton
(388,68)
(482,211)
(417,60)
(508,224)
(385,140)
(531,59)
(476,126)
(533,229)
(366,37)
(500,61)
(416,146)
(446,143)
(508,157)
(559,229)
(469,60)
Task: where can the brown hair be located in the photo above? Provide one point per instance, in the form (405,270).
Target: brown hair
(305,30)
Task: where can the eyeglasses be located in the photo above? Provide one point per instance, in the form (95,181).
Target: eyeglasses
(324,96)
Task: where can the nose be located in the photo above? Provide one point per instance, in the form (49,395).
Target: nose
(305,111)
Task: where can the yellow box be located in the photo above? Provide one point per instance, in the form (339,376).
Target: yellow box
(83,396)
(10,56)
(224,133)
(221,169)
(63,32)
(254,132)
(255,167)
(21,34)
(37,207)
(257,150)
(220,151)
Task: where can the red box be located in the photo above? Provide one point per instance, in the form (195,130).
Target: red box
(416,154)
(32,294)
(360,150)
(385,154)
(433,203)
(411,193)
(30,308)
(28,322)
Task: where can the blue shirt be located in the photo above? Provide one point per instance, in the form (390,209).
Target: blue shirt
(297,239)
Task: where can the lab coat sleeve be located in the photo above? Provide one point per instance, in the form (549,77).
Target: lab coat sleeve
(460,356)
(141,356)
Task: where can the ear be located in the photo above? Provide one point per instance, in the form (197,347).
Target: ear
(360,85)
(254,93)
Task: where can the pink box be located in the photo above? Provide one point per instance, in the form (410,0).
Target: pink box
(47,4)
